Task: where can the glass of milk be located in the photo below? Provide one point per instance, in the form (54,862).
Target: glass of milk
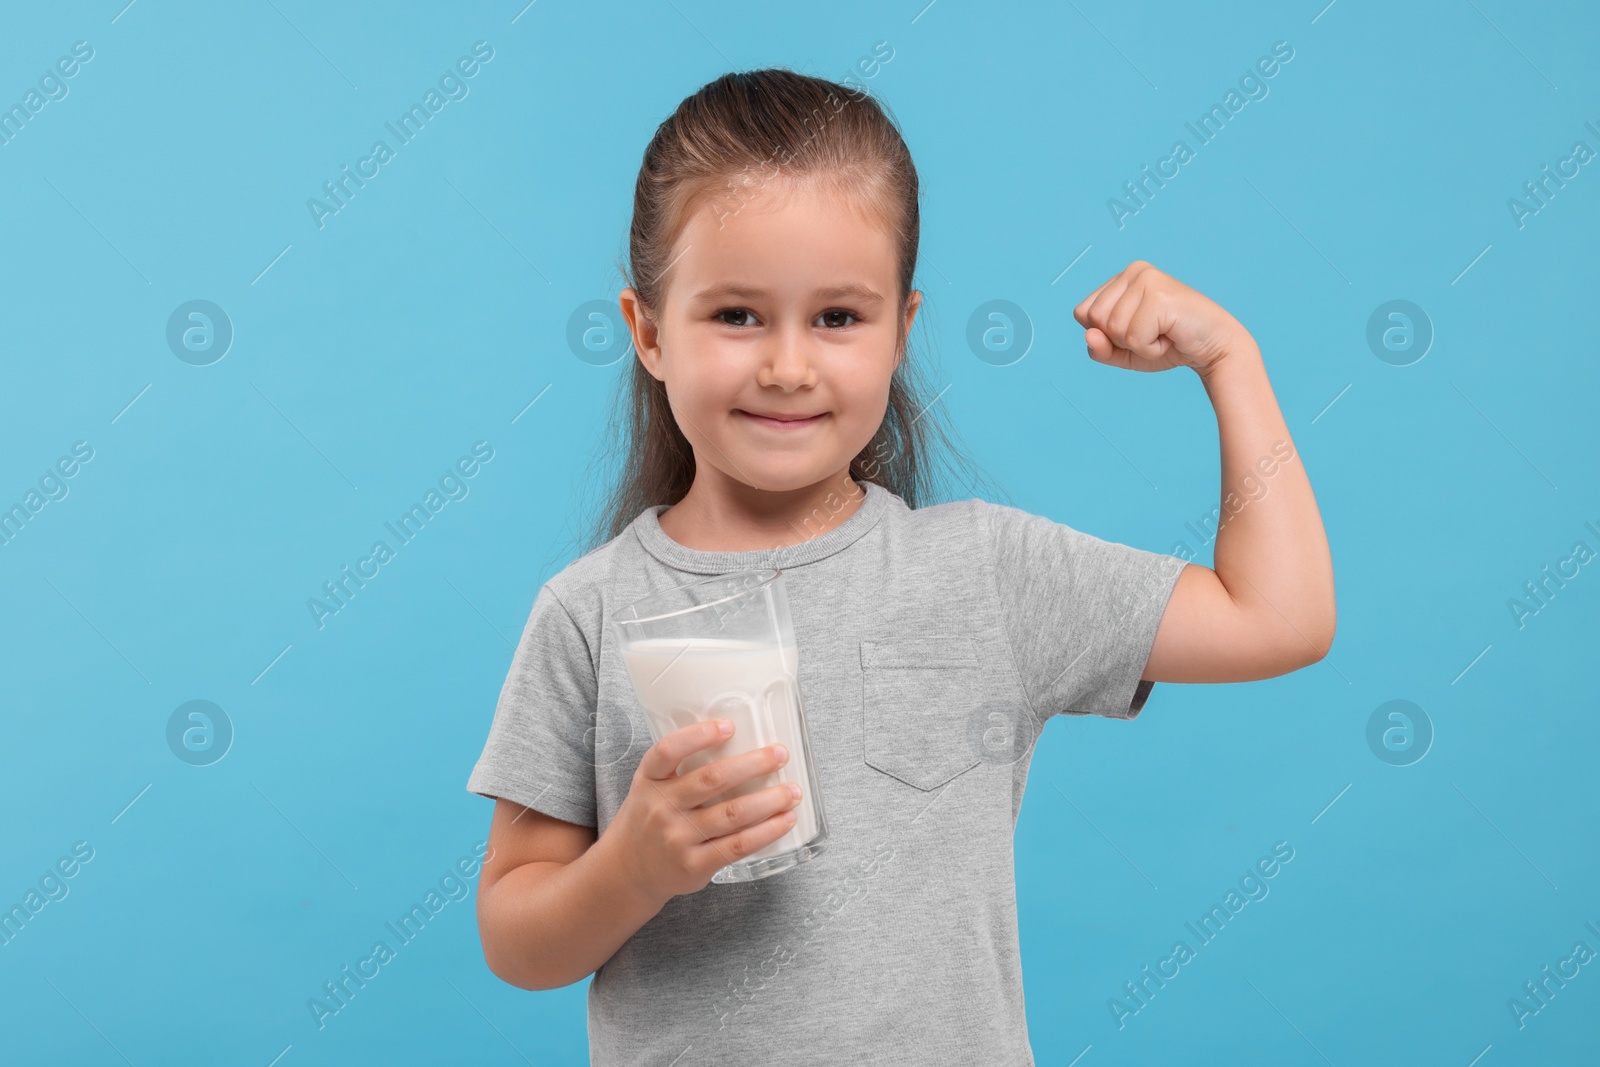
(724,648)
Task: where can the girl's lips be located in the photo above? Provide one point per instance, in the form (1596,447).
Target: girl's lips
(783,424)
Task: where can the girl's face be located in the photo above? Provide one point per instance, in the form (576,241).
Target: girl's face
(780,308)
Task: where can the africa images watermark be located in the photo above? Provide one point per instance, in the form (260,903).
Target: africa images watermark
(743,989)
(1539,593)
(52,486)
(337,593)
(454,885)
(53,887)
(1251,489)
(1253,87)
(1537,996)
(53,87)
(1252,887)
(1539,191)
(453,86)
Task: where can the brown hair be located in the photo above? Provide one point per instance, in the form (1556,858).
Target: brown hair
(723,141)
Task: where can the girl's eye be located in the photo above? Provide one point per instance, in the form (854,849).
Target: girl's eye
(837,318)
(720,316)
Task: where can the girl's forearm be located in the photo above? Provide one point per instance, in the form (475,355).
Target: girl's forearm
(1272,552)
(547,925)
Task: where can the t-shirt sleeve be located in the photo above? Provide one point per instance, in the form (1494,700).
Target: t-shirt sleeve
(540,749)
(1081,613)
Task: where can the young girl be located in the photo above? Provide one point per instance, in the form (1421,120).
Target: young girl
(773,245)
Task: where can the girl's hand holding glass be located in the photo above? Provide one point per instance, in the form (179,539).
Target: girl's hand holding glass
(667,833)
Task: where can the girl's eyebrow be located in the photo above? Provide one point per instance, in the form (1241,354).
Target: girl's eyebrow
(745,292)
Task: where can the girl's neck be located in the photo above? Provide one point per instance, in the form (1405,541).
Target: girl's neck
(719,514)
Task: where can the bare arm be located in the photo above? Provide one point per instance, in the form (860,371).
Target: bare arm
(1268,606)
(555,902)
(552,903)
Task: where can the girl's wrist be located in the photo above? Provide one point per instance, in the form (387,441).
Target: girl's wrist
(1240,359)
(617,873)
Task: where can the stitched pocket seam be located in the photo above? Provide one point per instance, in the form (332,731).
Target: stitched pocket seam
(882,663)
(920,653)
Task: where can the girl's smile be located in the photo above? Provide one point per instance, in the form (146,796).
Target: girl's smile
(783,423)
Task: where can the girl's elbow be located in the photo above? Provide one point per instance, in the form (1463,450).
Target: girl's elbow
(1312,647)
(522,977)
(1292,648)
(1330,624)
(524,972)
(511,967)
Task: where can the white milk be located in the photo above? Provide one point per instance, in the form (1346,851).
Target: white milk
(687,680)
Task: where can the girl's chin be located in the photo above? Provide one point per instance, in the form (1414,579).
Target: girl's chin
(771,479)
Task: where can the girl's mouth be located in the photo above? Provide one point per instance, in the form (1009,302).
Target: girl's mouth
(782,424)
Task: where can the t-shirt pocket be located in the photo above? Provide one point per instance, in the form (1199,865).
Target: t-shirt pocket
(917,695)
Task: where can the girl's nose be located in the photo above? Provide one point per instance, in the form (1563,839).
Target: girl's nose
(786,361)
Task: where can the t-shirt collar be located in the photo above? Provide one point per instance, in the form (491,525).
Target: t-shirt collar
(697,561)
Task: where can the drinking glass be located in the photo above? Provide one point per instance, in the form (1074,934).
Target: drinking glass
(724,648)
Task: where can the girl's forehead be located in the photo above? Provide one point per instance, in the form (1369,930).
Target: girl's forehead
(785,231)
(755,189)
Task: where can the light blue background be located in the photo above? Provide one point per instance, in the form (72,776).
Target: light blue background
(426,315)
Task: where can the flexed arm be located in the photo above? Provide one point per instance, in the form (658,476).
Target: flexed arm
(1268,607)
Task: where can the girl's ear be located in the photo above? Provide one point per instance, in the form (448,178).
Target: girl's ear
(913,302)
(645,332)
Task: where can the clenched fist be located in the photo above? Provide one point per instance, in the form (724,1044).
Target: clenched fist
(1142,319)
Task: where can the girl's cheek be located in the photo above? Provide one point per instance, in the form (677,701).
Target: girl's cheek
(706,392)
(716,371)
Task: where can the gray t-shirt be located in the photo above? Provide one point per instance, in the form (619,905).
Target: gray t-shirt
(933,643)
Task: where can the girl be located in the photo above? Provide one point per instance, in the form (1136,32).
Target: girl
(772,250)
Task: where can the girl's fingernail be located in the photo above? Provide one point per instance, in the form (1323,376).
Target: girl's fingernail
(781,752)
(794,790)
(725,726)
(788,816)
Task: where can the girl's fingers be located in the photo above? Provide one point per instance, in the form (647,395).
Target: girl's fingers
(1120,313)
(1095,306)
(1144,332)
(727,773)
(1106,296)
(720,851)
(1098,343)
(1101,350)
(661,759)
(1081,312)
(1136,322)
(739,813)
